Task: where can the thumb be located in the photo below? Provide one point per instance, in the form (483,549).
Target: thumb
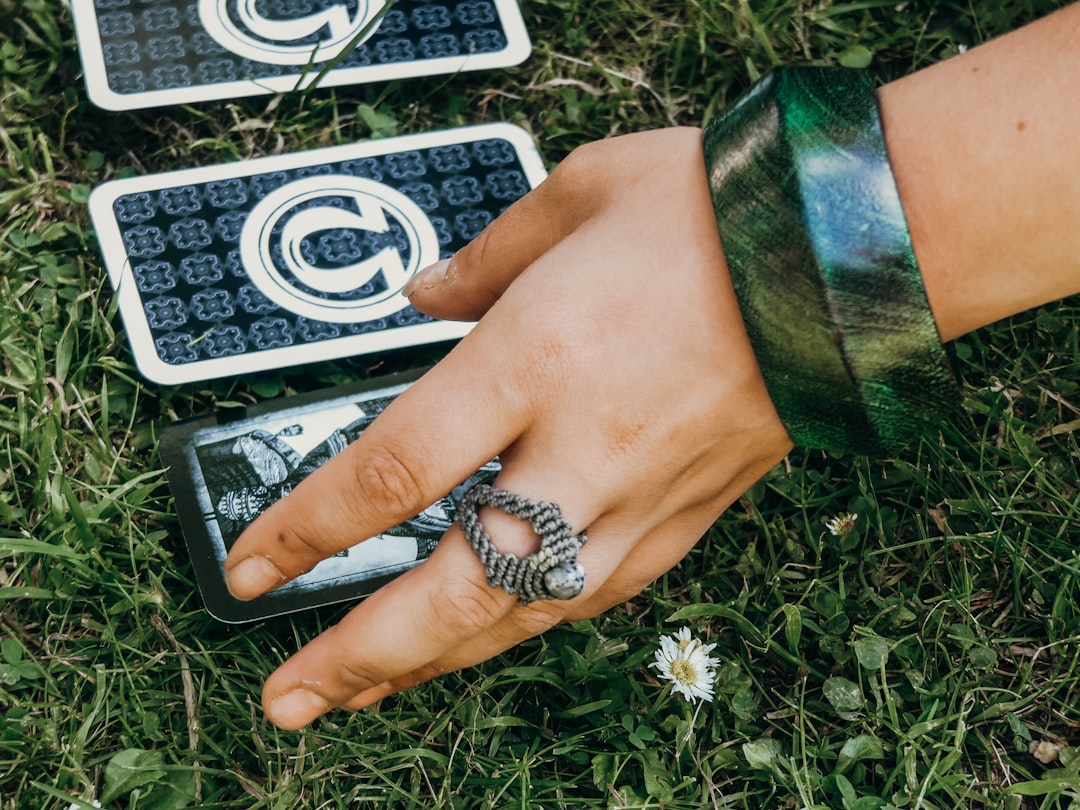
(463,287)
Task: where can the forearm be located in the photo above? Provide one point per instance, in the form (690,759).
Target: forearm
(987,159)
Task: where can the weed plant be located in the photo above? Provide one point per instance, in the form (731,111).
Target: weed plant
(930,658)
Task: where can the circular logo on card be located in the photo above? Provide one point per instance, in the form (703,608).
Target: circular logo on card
(251,29)
(337,248)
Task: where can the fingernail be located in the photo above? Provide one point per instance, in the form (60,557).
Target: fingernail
(297,708)
(431,276)
(253,577)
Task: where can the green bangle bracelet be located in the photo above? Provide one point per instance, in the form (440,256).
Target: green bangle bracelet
(820,256)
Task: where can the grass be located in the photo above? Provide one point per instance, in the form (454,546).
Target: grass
(929,659)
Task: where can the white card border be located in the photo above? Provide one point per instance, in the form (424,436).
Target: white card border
(121,275)
(517,50)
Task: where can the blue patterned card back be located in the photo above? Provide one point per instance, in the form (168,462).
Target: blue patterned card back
(280,261)
(148,53)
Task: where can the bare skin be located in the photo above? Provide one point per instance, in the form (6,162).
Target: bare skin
(611,372)
(985,153)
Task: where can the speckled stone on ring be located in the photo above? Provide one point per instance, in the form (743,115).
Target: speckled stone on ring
(553,572)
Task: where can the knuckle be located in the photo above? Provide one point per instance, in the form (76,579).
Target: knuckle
(357,675)
(575,178)
(465,606)
(304,551)
(420,675)
(388,484)
(581,164)
(348,671)
(474,264)
(537,618)
(474,254)
(588,171)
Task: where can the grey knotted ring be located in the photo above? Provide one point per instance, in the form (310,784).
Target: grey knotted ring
(553,572)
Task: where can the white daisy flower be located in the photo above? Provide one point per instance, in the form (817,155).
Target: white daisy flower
(685,661)
(842,524)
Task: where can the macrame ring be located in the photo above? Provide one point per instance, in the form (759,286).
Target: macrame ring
(553,572)
(818,249)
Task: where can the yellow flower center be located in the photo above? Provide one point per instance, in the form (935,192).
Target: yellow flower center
(683,671)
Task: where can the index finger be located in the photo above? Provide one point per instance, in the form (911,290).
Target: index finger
(453,420)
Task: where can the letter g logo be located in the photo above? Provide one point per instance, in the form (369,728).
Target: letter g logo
(317,37)
(337,248)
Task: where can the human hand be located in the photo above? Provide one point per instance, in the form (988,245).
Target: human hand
(609,371)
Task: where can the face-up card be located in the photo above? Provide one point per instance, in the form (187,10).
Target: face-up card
(281,261)
(224,473)
(146,53)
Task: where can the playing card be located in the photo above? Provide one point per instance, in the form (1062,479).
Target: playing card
(280,261)
(225,470)
(147,53)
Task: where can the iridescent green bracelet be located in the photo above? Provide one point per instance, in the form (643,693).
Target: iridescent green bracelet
(821,259)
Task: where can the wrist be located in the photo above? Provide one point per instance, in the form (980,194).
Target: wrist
(983,148)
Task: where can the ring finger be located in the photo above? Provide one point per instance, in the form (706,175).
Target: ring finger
(419,617)
(618,568)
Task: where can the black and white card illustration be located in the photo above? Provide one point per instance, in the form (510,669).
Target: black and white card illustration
(148,53)
(282,261)
(224,474)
